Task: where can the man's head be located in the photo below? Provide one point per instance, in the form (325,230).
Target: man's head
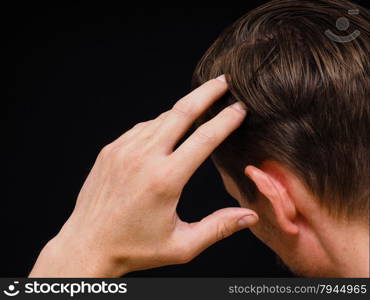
(301,157)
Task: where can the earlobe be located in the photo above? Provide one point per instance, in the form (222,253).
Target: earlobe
(271,185)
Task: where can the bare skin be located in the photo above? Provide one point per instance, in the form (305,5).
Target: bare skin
(125,216)
(308,239)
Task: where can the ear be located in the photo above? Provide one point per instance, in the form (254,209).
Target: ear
(272,183)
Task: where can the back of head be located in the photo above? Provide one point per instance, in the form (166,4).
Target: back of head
(305,82)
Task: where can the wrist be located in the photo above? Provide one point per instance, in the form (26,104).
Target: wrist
(66,257)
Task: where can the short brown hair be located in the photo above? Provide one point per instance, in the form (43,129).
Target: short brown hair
(307,97)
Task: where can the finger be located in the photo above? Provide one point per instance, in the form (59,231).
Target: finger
(138,129)
(217,226)
(131,132)
(150,130)
(205,139)
(152,125)
(187,110)
(163,115)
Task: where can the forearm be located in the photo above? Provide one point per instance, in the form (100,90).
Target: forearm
(61,258)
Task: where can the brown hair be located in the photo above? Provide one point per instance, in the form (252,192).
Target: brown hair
(307,97)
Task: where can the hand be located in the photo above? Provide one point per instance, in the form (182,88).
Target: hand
(125,217)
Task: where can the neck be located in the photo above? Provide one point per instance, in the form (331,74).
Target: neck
(346,247)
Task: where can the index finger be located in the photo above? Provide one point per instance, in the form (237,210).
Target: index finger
(195,150)
(188,109)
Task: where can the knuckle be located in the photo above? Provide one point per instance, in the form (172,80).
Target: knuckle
(223,231)
(183,107)
(163,116)
(138,125)
(131,132)
(106,151)
(205,134)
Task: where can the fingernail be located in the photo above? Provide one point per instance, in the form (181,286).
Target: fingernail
(221,78)
(239,106)
(247,221)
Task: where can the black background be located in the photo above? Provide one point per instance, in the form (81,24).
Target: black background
(79,75)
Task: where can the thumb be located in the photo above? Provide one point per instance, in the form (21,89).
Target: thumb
(219,225)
